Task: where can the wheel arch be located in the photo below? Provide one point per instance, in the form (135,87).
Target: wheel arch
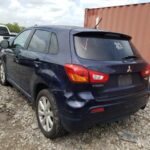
(37,88)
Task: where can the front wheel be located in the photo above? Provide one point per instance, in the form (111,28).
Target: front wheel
(3,78)
(47,115)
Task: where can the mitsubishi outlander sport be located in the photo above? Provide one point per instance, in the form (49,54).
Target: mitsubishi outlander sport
(75,77)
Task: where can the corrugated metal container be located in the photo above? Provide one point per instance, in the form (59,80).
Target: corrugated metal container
(133,20)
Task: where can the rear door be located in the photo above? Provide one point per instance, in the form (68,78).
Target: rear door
(32,60)
(111,54)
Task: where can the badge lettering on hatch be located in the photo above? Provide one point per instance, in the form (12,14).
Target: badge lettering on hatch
(129,69)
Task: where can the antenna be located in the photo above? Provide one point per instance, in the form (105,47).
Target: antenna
(98,21)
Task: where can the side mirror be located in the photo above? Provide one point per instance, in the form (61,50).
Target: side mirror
(4,44)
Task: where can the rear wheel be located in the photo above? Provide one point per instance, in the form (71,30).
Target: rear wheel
(3,78)
(47,115)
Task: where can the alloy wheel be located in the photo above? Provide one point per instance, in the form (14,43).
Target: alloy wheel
(45,114)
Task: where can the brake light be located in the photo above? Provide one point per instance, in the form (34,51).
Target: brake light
(81,74)
(146,71)
(77,73)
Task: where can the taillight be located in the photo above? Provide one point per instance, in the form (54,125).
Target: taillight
(81,74)
(77,73)
(146,71)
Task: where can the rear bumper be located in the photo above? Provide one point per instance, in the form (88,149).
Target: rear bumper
(77,119)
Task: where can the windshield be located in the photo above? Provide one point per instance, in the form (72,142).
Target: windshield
(97,48)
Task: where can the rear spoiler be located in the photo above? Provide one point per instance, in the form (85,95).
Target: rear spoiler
(103,34)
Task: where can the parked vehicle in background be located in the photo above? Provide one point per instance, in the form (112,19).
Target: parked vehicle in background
(76,77)
(5,33)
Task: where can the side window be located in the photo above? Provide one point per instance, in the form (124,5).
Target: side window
(3,31)
(40,41)
(21,39)
(53,44)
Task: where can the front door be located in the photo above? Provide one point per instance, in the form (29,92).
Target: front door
(12,54)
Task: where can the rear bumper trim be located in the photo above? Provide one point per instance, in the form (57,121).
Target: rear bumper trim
(124,96)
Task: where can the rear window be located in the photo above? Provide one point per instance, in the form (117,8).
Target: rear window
(106,49)
(3,31)
(40,41)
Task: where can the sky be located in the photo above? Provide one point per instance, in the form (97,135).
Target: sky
(47,12)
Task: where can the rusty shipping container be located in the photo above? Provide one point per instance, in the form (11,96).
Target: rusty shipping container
(133,20)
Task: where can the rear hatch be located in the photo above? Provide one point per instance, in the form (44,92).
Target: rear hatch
(114,55)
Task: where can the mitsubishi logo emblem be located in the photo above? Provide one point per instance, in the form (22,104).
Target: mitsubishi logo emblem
(129,69)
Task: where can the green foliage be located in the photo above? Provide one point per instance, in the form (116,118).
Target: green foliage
(14,27)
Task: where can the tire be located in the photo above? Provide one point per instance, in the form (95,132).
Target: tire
(3,77)
(48,116)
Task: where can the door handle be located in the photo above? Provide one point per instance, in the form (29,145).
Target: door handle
(16,59)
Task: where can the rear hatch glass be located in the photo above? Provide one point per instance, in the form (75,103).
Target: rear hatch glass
(102,48)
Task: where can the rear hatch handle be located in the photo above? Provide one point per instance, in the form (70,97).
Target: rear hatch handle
(130,57)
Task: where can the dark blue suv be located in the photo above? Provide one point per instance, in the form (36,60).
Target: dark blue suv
(75,77)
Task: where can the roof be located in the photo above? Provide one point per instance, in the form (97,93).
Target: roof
(60,27)
(2,25)
(76,30)
(63,27)
(66,28)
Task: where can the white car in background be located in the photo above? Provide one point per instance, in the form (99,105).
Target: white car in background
(5,33)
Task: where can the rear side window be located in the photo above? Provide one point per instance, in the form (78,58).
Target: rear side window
(3,31)
(53,44)
(97,48)
(40,41)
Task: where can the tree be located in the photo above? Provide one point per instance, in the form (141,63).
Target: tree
(14,27)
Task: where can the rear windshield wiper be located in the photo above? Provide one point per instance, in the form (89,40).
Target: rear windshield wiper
(130,57)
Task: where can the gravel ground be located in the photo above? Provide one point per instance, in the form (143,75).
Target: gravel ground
(19,130)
